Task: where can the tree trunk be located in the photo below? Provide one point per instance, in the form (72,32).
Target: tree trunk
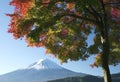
(105,56)
(105,67)
(105,45)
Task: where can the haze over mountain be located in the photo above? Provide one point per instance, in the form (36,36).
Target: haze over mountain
(41,71)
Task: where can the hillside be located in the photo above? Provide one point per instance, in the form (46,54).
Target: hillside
(88,78)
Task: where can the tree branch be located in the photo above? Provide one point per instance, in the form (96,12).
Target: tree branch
(93,12)
(111,3)
(80,17)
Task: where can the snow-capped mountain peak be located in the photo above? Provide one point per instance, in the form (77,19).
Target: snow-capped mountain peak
(44,64)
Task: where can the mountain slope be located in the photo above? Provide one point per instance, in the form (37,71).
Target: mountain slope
(40,71)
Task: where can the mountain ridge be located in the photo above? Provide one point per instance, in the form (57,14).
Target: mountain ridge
(41,71)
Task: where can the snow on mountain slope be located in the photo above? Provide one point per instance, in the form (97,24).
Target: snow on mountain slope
(44,64)
(41,71)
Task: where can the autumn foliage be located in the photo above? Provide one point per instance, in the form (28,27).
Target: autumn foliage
(21,6)
(22,24)
(20,11)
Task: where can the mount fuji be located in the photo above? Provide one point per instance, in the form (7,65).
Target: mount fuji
(42,71)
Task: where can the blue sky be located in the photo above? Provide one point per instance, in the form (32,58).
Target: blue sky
(14,54)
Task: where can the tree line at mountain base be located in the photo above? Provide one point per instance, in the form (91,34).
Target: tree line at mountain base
(89,78)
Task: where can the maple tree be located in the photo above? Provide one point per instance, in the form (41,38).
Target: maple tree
(63,27)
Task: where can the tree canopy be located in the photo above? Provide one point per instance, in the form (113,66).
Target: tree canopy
(63,26)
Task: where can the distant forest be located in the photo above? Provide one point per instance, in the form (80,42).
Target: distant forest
(80,79)
(115,78)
